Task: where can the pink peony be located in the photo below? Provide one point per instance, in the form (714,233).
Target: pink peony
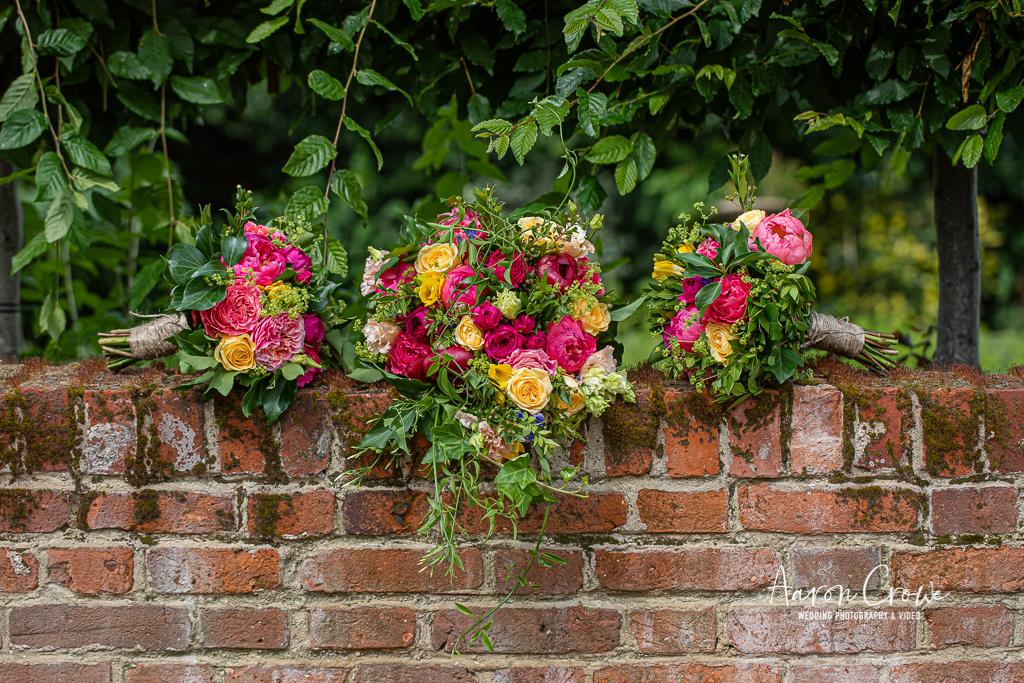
(684,329)
(454,358)
(560,270)
(691,286)
(300,264)
(315,330)
(517,268)
(709,248)
(731,304)
(486,316)
(236,314)
(454,290)
(535,341)
(407,357)
(417,325)
(524,324)
(310,374)
(568,344)
(783,236)
(278,339)
(533,358)
(502,341)
(262,261)
(395,276)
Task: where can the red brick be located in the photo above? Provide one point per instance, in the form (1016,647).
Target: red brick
(54,672)
(287,674)
(306,436)
(674,631)
(362,628)
(843,566)
(980,625)
(555,630)
(1004,422)
(291,515)
(212,570)
(837,673)
(816,436)
(691,434)
(768,630)
(958,672)
(881,427)
(169,672)
(558,579)
(353,412)
(968,570)
(92,571)
(166,512)
(48,427)
(378,513)
(630,435)
(766,507)
(411,673)
(691,671)
(245,628)
(176,421)
(755,437)
(694,512)
(974,510)
(111,431)
(597,513)
(714,569)
(245,445)
(149,627)
(380,570)
(34,511)
(949,422)
(19,571)
(539,675)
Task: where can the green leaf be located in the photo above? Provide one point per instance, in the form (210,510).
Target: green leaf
(325,85)
(222,381)
(994,137)
(365,135)
(885,92)
(463,609)
(20,95)
(970,151)
(309,156)
(368,375)
(197,89)
(59,217)
(182,261)
(623,312)
(199,296)
(36,246)
(973,117)
(373,78)
(345,184)
(335,34)
(524,136)
(266,29)
(83,153)
(128,138)
(707,296)
(127,65)
(626,175)
(308,202)
(396,40)
(591,108)
(50,180)
(511,15)
(61,42)
(644,152)
(609,150)
(83,179)
(232,248)
(144,282)
(22,128)
(277,6)
(292,371)
(155,55)
(1006,100)
(52,320)
(337,258)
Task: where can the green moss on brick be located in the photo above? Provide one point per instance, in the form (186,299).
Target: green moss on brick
(267,511)
(146,507)
(16,505)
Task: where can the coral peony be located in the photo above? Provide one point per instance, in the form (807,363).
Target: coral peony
(784,236)
(395,276)
(300,264)
(261,262)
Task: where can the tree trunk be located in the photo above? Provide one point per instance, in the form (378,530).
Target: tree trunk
(10,286)
(956,224)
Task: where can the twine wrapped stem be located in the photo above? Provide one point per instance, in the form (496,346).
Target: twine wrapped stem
(844,338)
(142,342)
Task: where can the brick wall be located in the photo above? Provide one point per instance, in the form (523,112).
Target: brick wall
(147,537)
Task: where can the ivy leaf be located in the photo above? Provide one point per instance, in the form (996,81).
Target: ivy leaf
(266,29)
(524,136)
(155,54)
(973,117)
(374,78)
(59,216)
(609,150)
(127,65)
(336,35)
(182,261)
(1006,100)
(309,156)
(20,95)
(197,89)
(199,296)
(144,282)
(21,128)
(345,184)
(325,85)
(511,15)
(365,135)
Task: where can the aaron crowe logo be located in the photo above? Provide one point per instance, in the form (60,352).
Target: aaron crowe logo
(894,596)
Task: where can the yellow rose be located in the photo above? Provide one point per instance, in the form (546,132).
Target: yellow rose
(663,269)
(469,335)
(430,287)
(719,337)
(529,388)
(499,374)
(576,403)
(436,258)
(748,219)
(236,353)
(530,223)
(594,319)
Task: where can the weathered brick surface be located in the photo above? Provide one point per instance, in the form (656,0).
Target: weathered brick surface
(148,538)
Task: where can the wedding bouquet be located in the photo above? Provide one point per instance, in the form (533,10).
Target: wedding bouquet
(734,306)
(496,331)
(251,306)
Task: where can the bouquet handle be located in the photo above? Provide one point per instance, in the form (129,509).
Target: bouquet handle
(143,342)
(844,338)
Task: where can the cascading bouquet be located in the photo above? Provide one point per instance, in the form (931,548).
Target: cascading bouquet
(251,306)
(496,331)
(734,306)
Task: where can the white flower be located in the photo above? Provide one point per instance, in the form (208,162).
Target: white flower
(603,360)
(379,335)
(373,266)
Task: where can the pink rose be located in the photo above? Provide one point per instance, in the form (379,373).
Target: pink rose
(310,374)
(261,261)
(691,286)
(684,329)
(568,344)
(395,276)
(560,270)
(236,314)
(516,267)
(454,358)
(709,248)
(454,290)
(731,304)
(417,325)
(502,341)
(315,330)
(486,316)
(535,341)
(524,324)
(300,263)
(783,236)
(407,357)
(278,339)
(533,358)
